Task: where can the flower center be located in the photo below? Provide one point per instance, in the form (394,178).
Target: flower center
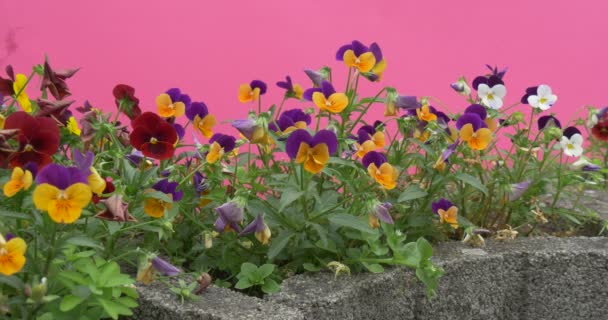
(153,140)
(62,196)
(171,106)
(490,96)
(328,103)
(28,147)
(543,100)
(3,251)
(357,61)
(570,146)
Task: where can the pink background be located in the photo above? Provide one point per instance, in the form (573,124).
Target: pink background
(208,48)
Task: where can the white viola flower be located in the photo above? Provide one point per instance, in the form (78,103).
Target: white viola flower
(492,97)
(543,99)
(573,147)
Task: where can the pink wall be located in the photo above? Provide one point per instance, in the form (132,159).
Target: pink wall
(208,48)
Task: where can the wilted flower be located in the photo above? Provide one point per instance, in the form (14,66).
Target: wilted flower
(518,189)
(220,145)
(62,191)
(461,87)
(259,228)
(252,131)
(315,151)
(165,268)
(380,212)
(251,92)
(230,215)
(126,101)
(447,212)
(172,103)
(155,207)
(153,136)
(55,81)
(12,255)
(445,156)
(116,210)
(326,98)
(540,97)
(293,90)
(38,139)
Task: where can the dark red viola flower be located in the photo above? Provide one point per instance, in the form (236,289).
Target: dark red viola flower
(116,210)
(6,149)
(108,189)
(600,129)
(6,85)
(38,139)
(126,101)
(55,81)
(54,109)
(153,136)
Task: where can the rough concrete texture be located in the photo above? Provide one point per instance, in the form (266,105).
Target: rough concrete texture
(538,278)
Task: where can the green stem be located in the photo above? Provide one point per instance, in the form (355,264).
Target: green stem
(365,110)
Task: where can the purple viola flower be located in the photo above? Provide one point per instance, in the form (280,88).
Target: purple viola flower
(357,47)
(246,127)
(177,96)
(292,90)
(470,118)
(83,162)
(295,118)
(170,188)
(382,212)
(258,84)
(200,183)
(492,79)
(31,167)
(300,136)
(197,109)
(365,133)
(179,129)
(60,176)
(257,225)
(443,204)
(327,89)
(135,157)
(477,109)
(227,142)
(374,157)
(588,167)
(442,118)
(445,156)
(287,84)
(518,189)
(407,102)
(570,131)
(315,76)
(548,120)
(230,215)
(165,268)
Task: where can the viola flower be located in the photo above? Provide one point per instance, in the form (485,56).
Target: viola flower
(180,130)
(445,156)
(126,101)
(62,191)
(293,90)
(326,98)
(317,77)
(315,151)
(12,255)
(380,212)
(21,179)
(55,81)
(153,136)
(110,188)
(253,132)
(379,169)
(220,144)
(201,119)
(116,210)
(473,131)
(572,142)
(156,208)
(56,110)
(542,98)
(201,188)
(600,127)
(38,139)
(6,85)
(259,228)
(84,162)
(407,102)
(290,120)
(72,126)
(389,102)
(172,103)
(447,212)
(356,55)
(548,120)
(492,96)
(492,79)
(367,132)
(19,89)
(518,189)
(165,268)
(230,215)
(426,114)
(251,92)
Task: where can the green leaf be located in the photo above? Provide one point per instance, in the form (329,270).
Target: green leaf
(266,270)
(248,268)
(411,255)
(243,283)
(14,214)
(279,244)
(350,221)
(73,276)
(84,241)
(159,196)
(69,302)
(106,273)
(114,309)
(411,193)
(86,266)
(289,197)
(311,267)
(425,249)
(81,291)
(12,281)
(474,182)
(270,286)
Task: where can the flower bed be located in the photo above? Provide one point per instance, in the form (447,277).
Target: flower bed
(324,185)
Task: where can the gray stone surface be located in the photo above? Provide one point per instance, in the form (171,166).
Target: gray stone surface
(537,278)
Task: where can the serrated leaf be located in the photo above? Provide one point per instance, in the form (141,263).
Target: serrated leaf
(70,302)
(350,221)
(278,245)
(81,291)
(425,249)
(474,182)
(411,193)
(248,268)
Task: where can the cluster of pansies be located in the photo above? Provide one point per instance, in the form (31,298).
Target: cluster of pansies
(323,178)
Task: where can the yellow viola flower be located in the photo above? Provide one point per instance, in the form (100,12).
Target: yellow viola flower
(62,192)
(426,114)
(386,175)
(19,88)
(477,140)
(364,62)
(20,180)
(378,70)
(72,126)
(96,182)
(298,91)
(251,92)
(156,208)
(220,145)
(168,108)
(314,158)
(421,136)
(491,123)
(215,153)
(205,125)
(12,255)
(364,148)
(312,151)
(449,216)
(379,139)
(335,103)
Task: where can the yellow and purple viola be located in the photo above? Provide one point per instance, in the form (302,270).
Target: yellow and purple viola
(369,139)
(444,159)
(380,170)
(447,212)
(312,151)
(21,179)
(474,131)
(202,121)
(379,212)
(326,98)
(251,92)
(172,103)
(369,61)
(84,162)
(254,132)
(290,120)
(12,254)
(229,217)
(259,229)
(62,192)
(292,90)
(157,208)
(220,144)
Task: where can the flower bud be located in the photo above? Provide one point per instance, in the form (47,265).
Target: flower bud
(518,116)
(39,291)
